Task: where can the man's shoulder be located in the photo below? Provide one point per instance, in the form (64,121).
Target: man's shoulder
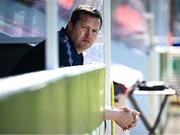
(63,35)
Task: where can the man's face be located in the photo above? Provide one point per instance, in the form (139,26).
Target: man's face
(84,32)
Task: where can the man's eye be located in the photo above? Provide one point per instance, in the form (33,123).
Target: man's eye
(84,27)
(95,31)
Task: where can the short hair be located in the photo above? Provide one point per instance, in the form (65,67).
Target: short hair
(85,10)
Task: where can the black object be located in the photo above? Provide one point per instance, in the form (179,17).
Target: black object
(150,86)
(10,54)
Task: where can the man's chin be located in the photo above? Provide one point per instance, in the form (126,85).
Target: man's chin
(85,46)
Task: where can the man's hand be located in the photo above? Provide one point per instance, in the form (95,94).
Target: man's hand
(135,115)
(124,117)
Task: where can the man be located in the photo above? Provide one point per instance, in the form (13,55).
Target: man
(79,35)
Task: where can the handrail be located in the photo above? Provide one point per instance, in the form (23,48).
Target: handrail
(62,101)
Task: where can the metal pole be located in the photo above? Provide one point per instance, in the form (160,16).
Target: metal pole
(51,35)
(107,54)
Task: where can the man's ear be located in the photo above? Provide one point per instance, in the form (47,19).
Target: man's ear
(70,26)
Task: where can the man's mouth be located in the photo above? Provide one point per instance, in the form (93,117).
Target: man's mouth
(86,41)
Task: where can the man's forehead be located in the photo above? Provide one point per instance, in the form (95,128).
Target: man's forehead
(87,16)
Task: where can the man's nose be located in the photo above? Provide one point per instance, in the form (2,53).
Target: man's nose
(88,33)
